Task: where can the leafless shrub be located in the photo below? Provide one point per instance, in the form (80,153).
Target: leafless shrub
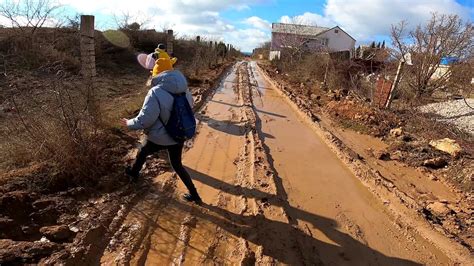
(128,21)
(196,56)
(28,15)
(442,36)
(28,44)
(263,51)
(329,72)
(203,57)
(57,126)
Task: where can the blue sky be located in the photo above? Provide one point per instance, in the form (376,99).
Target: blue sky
(247,23)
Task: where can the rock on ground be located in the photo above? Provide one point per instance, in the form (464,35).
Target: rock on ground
(447,145)
(56,233)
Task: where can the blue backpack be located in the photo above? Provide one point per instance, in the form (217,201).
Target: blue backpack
(181,125)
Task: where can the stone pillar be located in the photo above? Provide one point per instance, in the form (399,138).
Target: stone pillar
(87,47)
(169,42)
(216,52)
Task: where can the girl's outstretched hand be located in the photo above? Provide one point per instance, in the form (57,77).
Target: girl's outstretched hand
(123,122)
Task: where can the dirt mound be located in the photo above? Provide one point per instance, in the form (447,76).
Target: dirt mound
(22,252)
(363,118)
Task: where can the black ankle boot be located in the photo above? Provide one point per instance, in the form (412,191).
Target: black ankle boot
(192,198)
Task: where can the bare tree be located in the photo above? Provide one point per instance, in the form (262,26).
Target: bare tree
(131,22)
(296,45)
(442,36)
(28,15)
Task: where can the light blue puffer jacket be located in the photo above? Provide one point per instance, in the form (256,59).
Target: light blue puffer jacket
(158,104)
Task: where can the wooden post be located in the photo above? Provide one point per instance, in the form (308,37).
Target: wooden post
(325,82)
(395,83)
(169,42)
(87,47)
(216,52)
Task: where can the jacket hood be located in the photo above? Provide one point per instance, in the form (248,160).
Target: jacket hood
(171,81)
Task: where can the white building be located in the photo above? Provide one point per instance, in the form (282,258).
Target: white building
(314,38)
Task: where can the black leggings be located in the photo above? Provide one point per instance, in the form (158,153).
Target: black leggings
(174,154)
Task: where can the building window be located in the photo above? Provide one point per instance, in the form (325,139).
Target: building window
(336,31)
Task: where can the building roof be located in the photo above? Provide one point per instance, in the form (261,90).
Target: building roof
(310,31)
(298,29)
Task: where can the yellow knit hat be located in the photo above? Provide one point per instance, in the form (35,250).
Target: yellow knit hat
(163,63)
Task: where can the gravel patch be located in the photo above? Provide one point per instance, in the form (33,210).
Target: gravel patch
(455,112)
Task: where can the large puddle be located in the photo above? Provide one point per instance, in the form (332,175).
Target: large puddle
(324,195)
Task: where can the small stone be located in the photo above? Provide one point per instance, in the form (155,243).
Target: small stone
(407,138)
(74,229)
(439,208)
(56,233)
(315,97)
(43,203)
(396,132)
(44,240)
(382,155)
(396,155)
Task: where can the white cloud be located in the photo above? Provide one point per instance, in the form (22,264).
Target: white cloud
(156,7)
(186,17)
(308,18)
(247,39)
(23,20)
(374,17)
(258,23)
(365,19)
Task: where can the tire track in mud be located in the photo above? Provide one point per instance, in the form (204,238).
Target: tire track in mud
(268,181)
(252,211)
(134,234)
(222,243)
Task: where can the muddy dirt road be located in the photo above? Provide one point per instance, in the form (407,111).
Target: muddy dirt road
(273,192)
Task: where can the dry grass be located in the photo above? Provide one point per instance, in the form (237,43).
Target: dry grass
(54,119)
(58,125)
